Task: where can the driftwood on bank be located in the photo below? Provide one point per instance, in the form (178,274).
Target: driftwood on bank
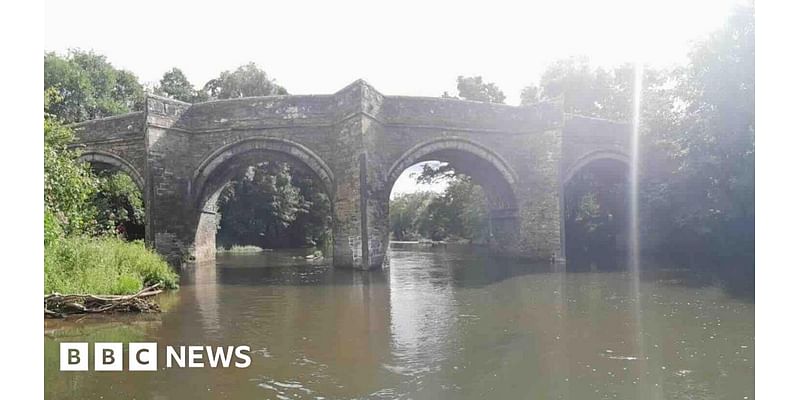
(58,305)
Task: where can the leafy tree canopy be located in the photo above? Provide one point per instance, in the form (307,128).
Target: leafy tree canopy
(475,89)
(89,87)
(68,186)
(246,81)
(273,205)
(174,84)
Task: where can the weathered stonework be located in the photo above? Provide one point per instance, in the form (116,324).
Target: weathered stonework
(357,142)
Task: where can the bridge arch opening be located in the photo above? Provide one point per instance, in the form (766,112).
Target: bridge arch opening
(469,196)
(261,192)
(105,161)
(596,211)
(120,196)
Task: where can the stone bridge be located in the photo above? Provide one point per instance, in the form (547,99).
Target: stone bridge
(357,142)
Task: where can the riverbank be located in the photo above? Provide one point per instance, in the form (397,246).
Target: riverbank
(105,268)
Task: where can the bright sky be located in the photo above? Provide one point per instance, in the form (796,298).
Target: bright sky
(401,47)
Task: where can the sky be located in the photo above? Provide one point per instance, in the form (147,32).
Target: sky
(406,47)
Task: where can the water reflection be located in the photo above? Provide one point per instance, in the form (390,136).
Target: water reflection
(439,323)
(424,315)
(204,280)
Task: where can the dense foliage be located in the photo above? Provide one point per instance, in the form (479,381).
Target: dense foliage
(68,186)
(174,84)
(460,212)
(246,81)
(705,191)
(89,87)
(697,145)
(475,89)
(119,205)
(272,205)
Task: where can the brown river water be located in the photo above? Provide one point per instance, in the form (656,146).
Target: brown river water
(437,323)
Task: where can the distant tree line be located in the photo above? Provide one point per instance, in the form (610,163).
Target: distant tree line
(459,213)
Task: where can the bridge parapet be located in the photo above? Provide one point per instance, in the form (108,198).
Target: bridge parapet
(470,115)
(120,127)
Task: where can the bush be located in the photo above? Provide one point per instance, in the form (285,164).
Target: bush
(103,265)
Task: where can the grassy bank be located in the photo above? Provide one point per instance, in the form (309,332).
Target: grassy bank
(102,265)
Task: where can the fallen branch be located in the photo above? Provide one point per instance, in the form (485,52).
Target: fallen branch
(58,305)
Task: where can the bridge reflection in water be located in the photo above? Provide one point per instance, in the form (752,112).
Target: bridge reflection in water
(438,323)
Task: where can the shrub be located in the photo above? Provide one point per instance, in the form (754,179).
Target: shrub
(103,265)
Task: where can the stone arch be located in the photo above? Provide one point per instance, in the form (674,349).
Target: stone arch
(569,173)
(419,152)
(276,146)
(218,168)
(593,156)
(484,165)
(104,157)
(487,168)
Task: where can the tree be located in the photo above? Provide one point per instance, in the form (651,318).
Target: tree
(469,88)
(473,88)
(585,90)
(119,204)
(405,214)
(273,205)
(68,186)
(246,81)
(312,228)
(174,84)
(89,87)
(459,212)
(705,191)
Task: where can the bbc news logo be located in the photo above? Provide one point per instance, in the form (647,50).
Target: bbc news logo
(74,356)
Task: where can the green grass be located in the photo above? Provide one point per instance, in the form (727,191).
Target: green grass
(102,265)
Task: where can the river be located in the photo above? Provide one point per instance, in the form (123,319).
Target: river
(452,323)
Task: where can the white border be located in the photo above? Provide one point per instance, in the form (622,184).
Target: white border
(777,199)
(22,360)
